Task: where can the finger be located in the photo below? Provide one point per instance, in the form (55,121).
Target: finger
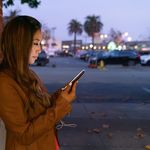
(67,87)
(74,87)
(64,88)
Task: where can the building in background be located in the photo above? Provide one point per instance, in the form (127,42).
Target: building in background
(139,45)
(69,45)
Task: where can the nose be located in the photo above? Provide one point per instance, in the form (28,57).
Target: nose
(38,50)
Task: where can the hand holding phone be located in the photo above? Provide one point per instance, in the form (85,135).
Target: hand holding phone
(76,78)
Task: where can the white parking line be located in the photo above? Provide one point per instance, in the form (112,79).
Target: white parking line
(146,89)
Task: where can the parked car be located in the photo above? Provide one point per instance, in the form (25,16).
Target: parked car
(79,53)
(144,52)
(51,53)
(65,53)
(42,59)
(83,55)
(124,57)
(145,59)
(94,60)
(89,53)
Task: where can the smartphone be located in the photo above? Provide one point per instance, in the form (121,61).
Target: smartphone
(77,77)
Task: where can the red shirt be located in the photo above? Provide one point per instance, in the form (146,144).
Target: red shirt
(56,142)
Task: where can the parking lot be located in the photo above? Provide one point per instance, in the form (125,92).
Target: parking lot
(112,106)
(115,83)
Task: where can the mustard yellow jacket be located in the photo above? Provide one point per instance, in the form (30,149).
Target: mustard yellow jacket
(38,133)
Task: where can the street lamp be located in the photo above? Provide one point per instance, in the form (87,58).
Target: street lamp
(53,35)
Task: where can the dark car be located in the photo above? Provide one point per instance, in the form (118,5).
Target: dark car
(89,53)
(84,55)
(42,59)
(94,60)
(124,57)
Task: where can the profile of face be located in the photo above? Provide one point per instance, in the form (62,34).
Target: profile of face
(36,46)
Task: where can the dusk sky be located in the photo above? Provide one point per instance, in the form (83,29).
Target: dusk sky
(132,16)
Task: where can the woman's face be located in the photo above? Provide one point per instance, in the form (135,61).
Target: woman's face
(36,47)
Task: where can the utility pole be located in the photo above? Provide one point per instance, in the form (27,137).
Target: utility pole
(53,35)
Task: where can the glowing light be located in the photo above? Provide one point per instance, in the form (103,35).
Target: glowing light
(129,39)
(99,47)
(65,46)
(91,45)
(126,34)
(83,47)
(136,47)
(94,47)
(101,36)
(103,47)
(86,47)
(105,35)
(111,45)
(119,47)
(124,47)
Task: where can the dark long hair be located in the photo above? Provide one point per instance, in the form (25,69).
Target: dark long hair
(16,44)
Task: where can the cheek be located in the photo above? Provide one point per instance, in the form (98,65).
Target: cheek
(33,51)
(30,55)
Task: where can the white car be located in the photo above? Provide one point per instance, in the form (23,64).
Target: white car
(51,52)
(145,59)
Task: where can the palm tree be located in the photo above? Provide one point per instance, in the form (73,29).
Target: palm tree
(75,27)
(92,25)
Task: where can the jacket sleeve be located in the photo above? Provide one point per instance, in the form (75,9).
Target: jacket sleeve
(14,116)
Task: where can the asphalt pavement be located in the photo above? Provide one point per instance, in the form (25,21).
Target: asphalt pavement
(110,125)
(106,126)
(118,125)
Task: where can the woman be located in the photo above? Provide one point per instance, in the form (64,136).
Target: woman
(28,111)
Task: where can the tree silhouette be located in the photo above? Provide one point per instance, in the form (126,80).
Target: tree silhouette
(92,25)
(75,27)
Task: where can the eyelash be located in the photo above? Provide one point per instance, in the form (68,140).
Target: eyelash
(37,44)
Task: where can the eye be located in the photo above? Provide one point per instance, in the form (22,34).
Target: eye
(35,43)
